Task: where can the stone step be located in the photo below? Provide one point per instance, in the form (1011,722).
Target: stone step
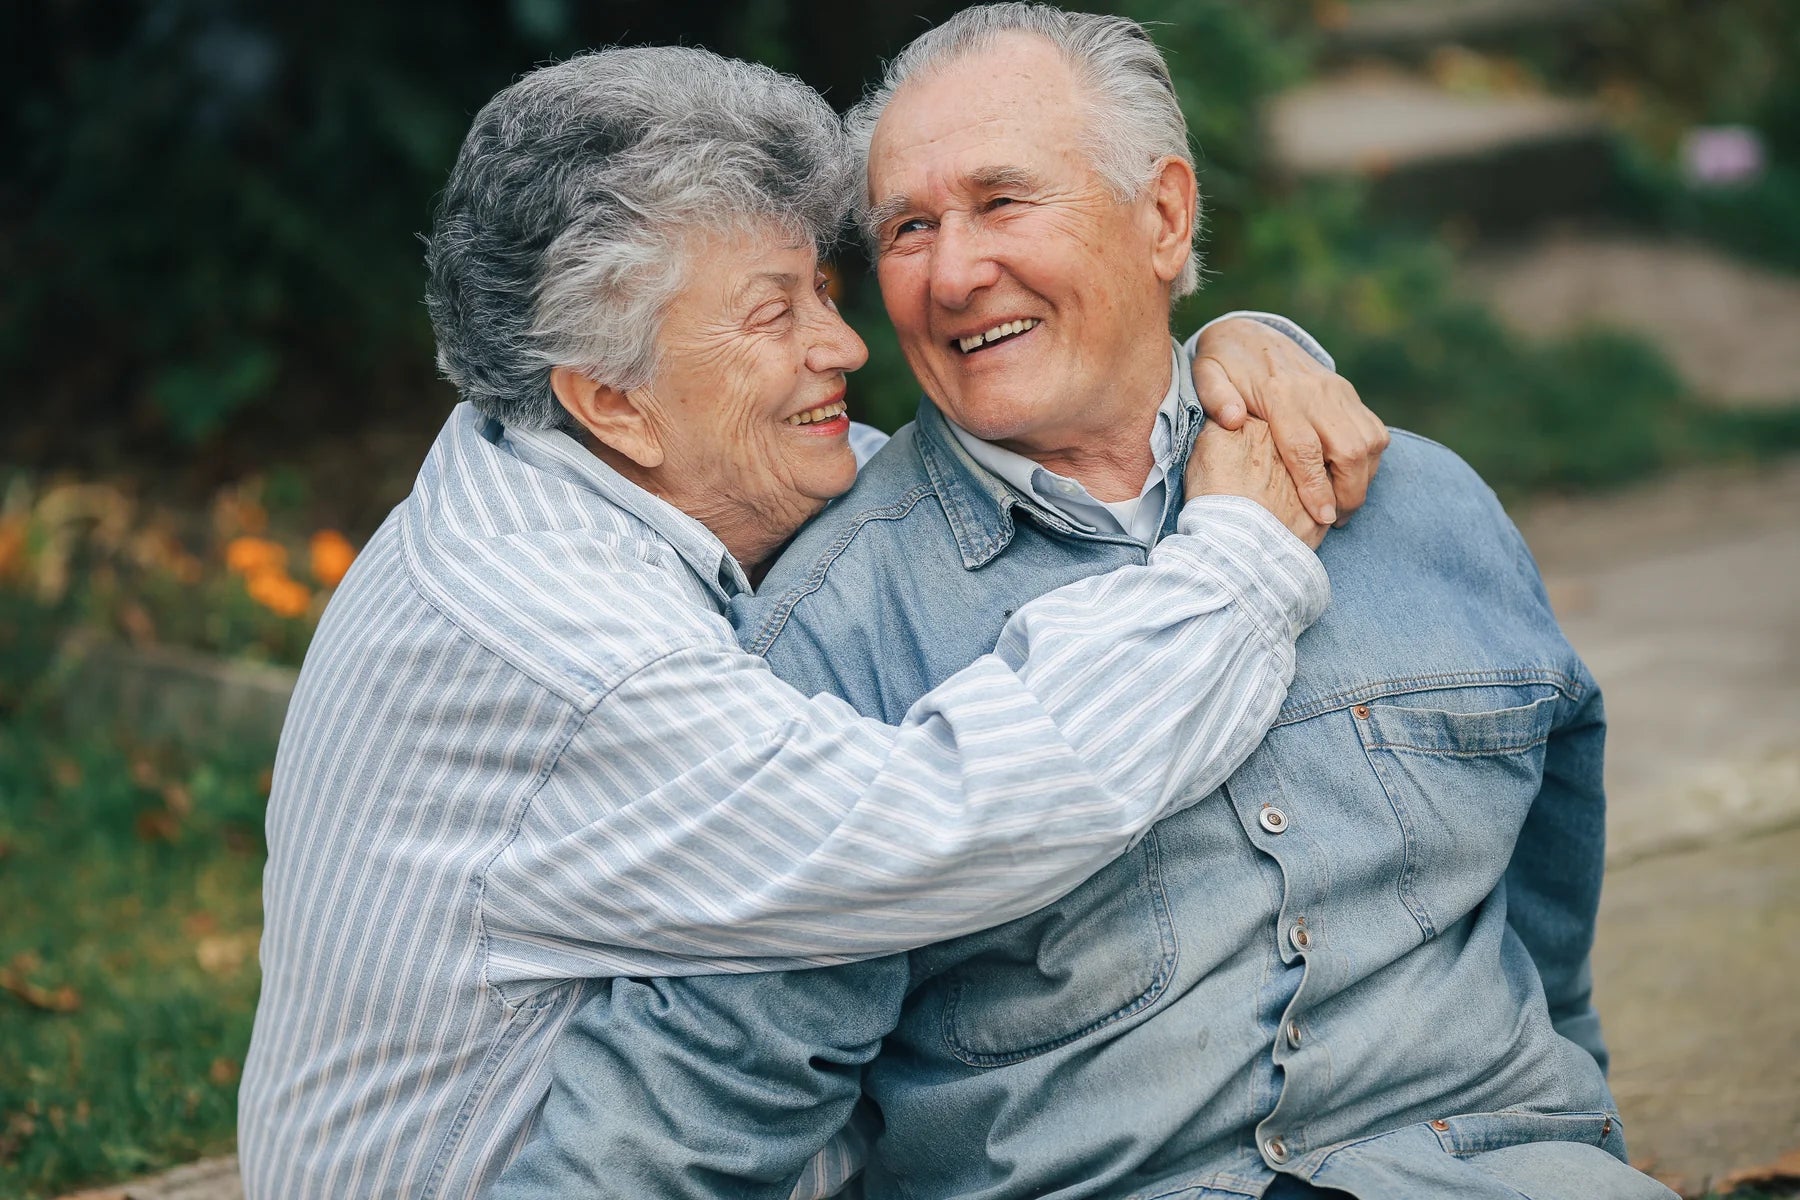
(1407,30)
(1731,328)
(1500,161)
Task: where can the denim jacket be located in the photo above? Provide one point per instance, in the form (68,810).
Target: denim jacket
(1362,962)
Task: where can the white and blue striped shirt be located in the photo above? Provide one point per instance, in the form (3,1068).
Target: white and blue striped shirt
(526,753)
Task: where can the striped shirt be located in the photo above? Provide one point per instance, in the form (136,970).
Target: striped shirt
(526,754)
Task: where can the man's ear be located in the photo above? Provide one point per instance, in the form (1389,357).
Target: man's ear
(1174,193)
(616,419)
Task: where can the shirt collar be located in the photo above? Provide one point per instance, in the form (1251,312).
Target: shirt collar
(558,454)
(979,482)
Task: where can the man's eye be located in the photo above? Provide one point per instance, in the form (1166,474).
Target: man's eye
(770,315)
(999,201)
(914,225)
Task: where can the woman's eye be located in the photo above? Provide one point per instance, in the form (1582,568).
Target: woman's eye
(912,226)
(772,314)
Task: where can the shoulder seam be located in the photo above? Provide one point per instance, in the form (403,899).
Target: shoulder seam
(815,579)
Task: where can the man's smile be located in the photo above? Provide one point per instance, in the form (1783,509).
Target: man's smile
(1003,332)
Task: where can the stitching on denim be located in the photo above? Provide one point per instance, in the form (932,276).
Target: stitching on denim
(1570,686)
(815,579)
(1409,857)
(1159,980)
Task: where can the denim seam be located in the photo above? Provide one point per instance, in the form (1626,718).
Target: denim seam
(815,579)
(1409,851)
(1159,981)
(1568,685)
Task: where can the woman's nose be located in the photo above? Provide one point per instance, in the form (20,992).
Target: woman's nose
(836,346)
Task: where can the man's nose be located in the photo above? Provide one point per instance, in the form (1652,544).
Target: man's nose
(960,265)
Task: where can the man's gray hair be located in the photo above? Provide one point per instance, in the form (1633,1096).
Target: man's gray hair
(559,238)
(1136,120)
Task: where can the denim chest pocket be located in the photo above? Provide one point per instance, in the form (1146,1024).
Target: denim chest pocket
(1098,956)
(1460,777)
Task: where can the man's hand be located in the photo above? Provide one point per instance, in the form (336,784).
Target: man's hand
(1245,462)
(1330,441)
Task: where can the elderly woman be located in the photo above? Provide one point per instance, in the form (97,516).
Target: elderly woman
(527,754)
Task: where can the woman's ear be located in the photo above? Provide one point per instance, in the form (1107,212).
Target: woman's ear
(1173,193)
(616,419)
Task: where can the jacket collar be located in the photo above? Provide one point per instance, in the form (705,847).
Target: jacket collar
(979,503)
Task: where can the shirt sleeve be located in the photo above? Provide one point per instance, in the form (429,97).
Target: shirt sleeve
(729,823)
(1275,321)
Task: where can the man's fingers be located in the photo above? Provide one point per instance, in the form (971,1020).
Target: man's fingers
(1304,456)
(1219,397)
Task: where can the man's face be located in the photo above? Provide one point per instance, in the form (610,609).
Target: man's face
(992,219)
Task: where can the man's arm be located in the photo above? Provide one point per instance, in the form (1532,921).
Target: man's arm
(1553,881)
(726,821)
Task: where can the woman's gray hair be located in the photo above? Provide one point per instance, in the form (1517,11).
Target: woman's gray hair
(1135,122)
(559,239)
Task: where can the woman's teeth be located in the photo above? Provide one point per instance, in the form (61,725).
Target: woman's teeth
(812,415)
(995,334)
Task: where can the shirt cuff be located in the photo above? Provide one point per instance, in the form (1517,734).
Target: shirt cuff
(1275,321)
(1238,541)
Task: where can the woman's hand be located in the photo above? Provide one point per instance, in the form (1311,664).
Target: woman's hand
(1328,439)
(1243,462)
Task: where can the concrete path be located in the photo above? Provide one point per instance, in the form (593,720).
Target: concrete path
(1684,598)
(1731,328)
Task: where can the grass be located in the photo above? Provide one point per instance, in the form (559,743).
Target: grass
(130,876)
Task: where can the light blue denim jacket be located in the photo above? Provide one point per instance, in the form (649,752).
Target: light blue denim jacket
(1363,962)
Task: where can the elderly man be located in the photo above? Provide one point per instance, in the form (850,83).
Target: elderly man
(1361,966)
(526,752)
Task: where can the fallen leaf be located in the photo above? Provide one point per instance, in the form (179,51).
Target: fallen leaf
(225,953)
(178,798)
(64,999)
(157,825)
(15,1133)
(1783,1172)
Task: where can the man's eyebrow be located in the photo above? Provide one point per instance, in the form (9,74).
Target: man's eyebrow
(1002,179)
(983,179)
(887,210)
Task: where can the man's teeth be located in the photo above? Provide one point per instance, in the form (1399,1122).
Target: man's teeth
(995,334)
(818,414)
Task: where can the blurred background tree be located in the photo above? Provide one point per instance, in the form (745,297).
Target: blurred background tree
(209,219)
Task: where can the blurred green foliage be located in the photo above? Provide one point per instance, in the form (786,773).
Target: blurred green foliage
(129,875)
(210,229)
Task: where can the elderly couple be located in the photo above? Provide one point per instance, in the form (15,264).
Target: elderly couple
(670,809)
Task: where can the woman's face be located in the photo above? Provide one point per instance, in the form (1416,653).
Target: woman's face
(748,398)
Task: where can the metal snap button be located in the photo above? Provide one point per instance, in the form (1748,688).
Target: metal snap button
(1440,1125)
(1293,1033)
(1272,819)
(1361,711)
(1299,936)
(1276,1149)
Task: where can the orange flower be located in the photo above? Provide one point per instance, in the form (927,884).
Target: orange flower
(12,546)
(332,555)
(276,592)
(252,556)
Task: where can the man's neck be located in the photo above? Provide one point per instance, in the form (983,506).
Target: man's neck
(1111,457)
